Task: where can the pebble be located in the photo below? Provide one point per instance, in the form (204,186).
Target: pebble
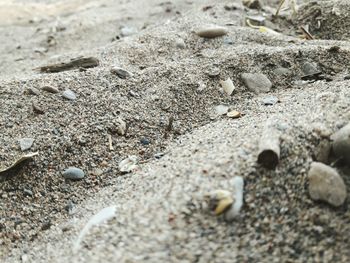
(341,143)
(326,184)
(127,31)
(309,69)
(282,71)
(180,43)
(233,114)
(213,71)
(33,91)
(25,143)
(50,89)
(37,109)
(212,31)
(145,141)
(257,82)
(121,73)
(221,110)
(69,95)
(253,4)
(73,173)
(27,192)
(270,100)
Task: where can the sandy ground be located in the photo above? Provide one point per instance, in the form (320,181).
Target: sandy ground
(160,215)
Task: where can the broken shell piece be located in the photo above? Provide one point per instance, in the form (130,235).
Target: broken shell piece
(103,216)
(233,114)
(228,204)
(211,31)
(129,164)
(219,201)
(227,86)
(18,161)
(221,109)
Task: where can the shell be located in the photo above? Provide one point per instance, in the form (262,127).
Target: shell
(129,164)
(227,86)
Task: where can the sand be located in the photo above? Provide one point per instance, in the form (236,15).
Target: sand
(160,212)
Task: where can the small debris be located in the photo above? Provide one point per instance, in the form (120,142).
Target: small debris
(221,110)
(269,147)
(129,164)
(234,114)
(37,109)
(257,82)
(69,95)
(73,173)
(212,31)
(270,100)
(145,141)
(33,91)
(341,144)
(121,73)
(118,127)
(110,142)
(26,143)
(326,184)
(227,86)
(50,89)
(180,43)
(252,4)
(102,216)
(75,63)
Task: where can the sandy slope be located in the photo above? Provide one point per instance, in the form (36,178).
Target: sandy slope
(160,215)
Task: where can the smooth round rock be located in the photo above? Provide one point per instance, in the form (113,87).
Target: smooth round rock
(73,173)
(26,143)
(211,31)
(50,89)
(325,184)
(257,82)
(69,95)
(341,144)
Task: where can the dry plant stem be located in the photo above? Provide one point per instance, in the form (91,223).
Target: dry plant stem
(111,148)
(77,63)
(269,148)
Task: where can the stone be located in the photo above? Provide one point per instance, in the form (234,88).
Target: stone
(180,43)
(145,141)
(257,82)
(25,143)
(233,114)
(282,71)
(325,184)
(212,31)
(213,71)
(73,173)
(69,95)
(37,109)
(309,69)
(341,144)
(121,73)
(127,31)
(270,100)
(253,4)
(50,89)
(33,91)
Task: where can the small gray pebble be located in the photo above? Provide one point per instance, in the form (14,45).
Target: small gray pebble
(73,173)
(270,100)
(27,192)
(69,95)
(180,43)
(121,73)
(26,143)
(50,89)
(33,91)
(257,82)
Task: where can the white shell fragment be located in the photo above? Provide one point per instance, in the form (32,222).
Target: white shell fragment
(227,86)
(129,164)
(226,203)
(104,215)
(211,31)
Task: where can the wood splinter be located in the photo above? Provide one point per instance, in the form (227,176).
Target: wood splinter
(269,148)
